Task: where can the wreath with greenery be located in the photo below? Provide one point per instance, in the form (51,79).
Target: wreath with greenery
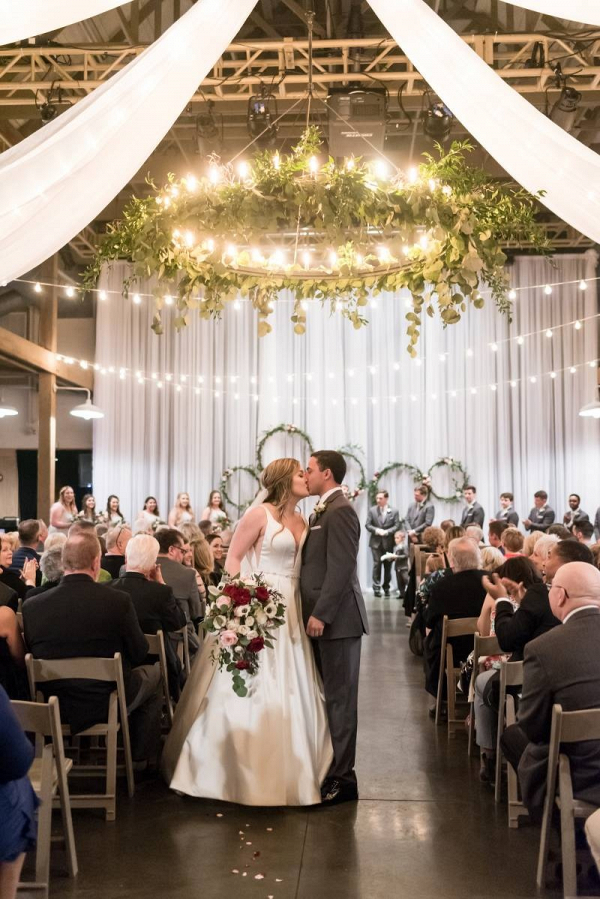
(351,452)
(330,233)
(225,479)
(416,474)
(290,430)
(460,477)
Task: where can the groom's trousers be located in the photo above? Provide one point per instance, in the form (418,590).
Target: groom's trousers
(338,662)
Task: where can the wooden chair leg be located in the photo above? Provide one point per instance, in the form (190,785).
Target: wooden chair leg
(542,864)
(440,690)
(44,835)
(111,761)
(451,688)
(567,830)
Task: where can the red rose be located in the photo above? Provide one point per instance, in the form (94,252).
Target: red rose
(262,594)
(229,590)
(242,597)
(242,665)
(256,645)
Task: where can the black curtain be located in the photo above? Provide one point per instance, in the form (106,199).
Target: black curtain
(73,467)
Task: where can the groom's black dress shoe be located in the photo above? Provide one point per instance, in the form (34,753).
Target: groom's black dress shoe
(335,792)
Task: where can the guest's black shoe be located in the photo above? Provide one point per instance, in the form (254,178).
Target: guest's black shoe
(386,593)
(376,592)
(325,787)
(340,792)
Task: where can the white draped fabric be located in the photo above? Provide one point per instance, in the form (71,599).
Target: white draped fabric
(585,11)
(533,149)
(56,181)
(27,18)
(160,441)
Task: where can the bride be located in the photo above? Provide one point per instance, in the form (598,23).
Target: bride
(273,746)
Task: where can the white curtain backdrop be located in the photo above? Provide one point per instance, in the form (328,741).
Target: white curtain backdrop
(586,11)
(160,441)
(56,181)
(532,148)
(27,18)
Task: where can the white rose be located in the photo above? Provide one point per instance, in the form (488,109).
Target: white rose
(239,649)
(232,624)
(241,611)
(260,617)
(219,621)
(252,634)
(242,629)
(249,620)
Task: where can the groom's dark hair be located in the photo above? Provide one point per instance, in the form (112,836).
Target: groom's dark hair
(332,460)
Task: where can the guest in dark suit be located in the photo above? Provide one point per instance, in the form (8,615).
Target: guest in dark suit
(575,513)
(563,667)
(506,511)
(81,618)
(181,579)
(29,538)
(541,516)
(382,524)
(117,539)
(562,553)
(583,531)
(420,514)
(474,513)
(495,530)
(458,595)
(152,599)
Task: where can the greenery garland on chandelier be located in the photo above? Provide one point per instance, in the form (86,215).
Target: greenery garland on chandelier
(330,233)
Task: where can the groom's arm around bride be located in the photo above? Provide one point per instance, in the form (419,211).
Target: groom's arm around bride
(334,612)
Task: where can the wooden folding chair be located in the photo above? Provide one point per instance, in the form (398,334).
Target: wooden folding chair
(511,675)
(156,646)
(183,648)
(516,809)
(484,647)
(48,774)
(108,670)
(451,627)
(567,727)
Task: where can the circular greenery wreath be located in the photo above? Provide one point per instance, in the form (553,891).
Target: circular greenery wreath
(349,453)
(460,482)
(416,474)
(226,477)
(350,230)
(291,430)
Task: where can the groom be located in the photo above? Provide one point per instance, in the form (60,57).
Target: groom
(334,613)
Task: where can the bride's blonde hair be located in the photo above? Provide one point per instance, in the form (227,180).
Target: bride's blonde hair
(277,479)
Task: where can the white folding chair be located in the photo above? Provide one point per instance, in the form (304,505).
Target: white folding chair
(483,647)
(511,675)
(451,627)
(156,646)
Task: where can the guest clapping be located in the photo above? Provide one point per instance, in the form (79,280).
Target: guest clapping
(64,512)
(13,580)
(181,512)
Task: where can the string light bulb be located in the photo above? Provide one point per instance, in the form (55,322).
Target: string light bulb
(549,332)
(38,287)
(214,174)
(191,182)
(243,170)
(102,295)
(583,284)
(494,347)
(512,294)
(168,300)
(276,161)
(578,325)
(70,292)
(547,290)
(137,299)
(313,165)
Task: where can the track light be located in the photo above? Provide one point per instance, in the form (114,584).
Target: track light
(261,118)
(438,121)
(564,111)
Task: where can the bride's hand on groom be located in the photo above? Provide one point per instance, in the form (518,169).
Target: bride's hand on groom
(315,627)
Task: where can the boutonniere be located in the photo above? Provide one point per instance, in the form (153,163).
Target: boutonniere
(319,509)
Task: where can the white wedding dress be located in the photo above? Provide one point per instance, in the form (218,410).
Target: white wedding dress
(271,747)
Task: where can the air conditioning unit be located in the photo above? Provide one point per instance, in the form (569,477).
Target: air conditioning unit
(356,115)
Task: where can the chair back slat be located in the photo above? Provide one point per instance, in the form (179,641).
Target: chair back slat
(34,717)
(461,627)
(88,668)
(575,727)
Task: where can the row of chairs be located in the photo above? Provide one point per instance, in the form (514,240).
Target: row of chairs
(567,727)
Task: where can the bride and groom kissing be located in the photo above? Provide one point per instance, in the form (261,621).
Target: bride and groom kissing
(292,740)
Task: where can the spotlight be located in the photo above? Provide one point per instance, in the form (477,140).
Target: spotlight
(262,113)
(564,111)
(209,132)
(438,121)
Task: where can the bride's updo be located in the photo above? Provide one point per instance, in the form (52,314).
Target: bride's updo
(277,479)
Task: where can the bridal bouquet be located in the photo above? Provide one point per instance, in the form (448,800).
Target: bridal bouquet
(243,613)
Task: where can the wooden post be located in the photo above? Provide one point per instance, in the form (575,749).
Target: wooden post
(47,395)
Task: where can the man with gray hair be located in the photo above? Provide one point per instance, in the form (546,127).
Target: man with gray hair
(560,667)
(52,569)
(459,595)
(476,534)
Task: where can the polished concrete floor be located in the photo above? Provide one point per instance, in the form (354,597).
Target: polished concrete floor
(424,825)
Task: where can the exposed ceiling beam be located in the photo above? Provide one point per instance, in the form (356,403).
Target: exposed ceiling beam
(295,7)
(18,349)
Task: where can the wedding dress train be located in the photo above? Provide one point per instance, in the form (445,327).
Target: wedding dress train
(271,747)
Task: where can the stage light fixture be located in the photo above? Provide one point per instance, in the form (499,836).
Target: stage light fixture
(261,118)
(438,120)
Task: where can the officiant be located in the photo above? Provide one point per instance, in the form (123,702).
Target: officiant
(382,524)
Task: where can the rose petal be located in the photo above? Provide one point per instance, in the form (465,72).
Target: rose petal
(269,829)
(248,844)
(235,871)
(278,880)
(259,876)
(219,814)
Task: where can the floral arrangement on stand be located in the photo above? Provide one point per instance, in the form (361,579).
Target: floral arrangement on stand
(243,614)
(325,232)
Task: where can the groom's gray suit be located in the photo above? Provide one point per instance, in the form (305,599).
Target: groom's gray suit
(331,592)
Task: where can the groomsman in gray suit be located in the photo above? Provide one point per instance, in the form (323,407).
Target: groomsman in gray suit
(473,513)
(334,613)
(507,511)
(541,516)
(420,514)
(575,515)
(382,524)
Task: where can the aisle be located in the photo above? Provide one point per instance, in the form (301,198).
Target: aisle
(424,826)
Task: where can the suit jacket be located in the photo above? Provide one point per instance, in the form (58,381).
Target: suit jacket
(473,515)
(509,516)
(514,629)
(182,581)
(390,525)
(541,519)
(9,597)
(328,578)
(82,618)
(562,666)
(112,564)
(570,518)
(420,516)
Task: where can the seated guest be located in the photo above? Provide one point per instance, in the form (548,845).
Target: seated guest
(560,530)
(206,527)
(142,526)
(54,541)
(562,667)
(541,516)
(597,523)
(596,554)
(116,544)
(475,533)
(18,802)
(473,513)
(459,595)
(204,563)
(190,531)
(453,533)
(12,656)
(507,513)
(81,618)
(447,523)
(215,541)
(152,599)
(433,540)
(575,514)
(563,552)
(512,543)
(540,552)
(11,579)
(29,538)
(52,570)
(583,531)
(530,541)
(516,610)
(491,558)
(43,535)
(495,531)
(182,580)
